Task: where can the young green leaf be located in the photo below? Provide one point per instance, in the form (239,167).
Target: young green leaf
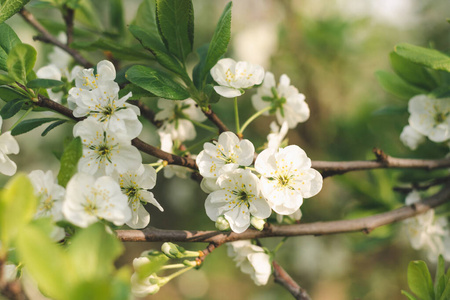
(69,161)
(154,44)
(119,51)
(411,72)
(43,83)
(3,58)
(11,108)
(30,124)
(8,38)
(9,8)
(21,61)
(8,94)
(17,207)
(116,19)
(408,295)
(52,126)
(219,42)
(156,82)
(419,280)
(5,79)
(175,19)
(393,84)
(446,293)
(156,261)
(427,57)
(197,72)
(146,17)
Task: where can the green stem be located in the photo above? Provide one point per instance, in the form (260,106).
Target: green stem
(236,115)
(156,164)
(21,118)
(204,126)
(174,266)
(159,168)
(178,273)
(254,116)
(279,245)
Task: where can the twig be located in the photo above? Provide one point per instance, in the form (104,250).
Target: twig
(285,280)
(216,120)
(365,225)
(422,187)
(68,15)
(47,37)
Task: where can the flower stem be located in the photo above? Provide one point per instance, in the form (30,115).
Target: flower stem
(21,118)
(254,116)
(178,273)
(174,266)
(156,164)
(236,115)
(279,245)
(159,168)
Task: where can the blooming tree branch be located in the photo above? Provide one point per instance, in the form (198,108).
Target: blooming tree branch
(365,225)
(47,37)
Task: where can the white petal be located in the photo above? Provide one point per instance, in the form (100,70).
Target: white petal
(227,92)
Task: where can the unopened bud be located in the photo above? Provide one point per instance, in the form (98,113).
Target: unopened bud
(172,250)
(222,223)
(257,223)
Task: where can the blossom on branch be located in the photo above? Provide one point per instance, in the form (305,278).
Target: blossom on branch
(104,151)
(136,184)
(89,199)
(430,117)
(252,260)
(285,100)
(287,178)
(411,137)
(8,145)
(233,77)
(237,200)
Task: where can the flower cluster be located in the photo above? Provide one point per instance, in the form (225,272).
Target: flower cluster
(428,118)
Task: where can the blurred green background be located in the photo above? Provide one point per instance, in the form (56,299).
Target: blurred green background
(330,50)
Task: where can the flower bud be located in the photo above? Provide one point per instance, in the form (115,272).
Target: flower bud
(257,223)
(172,250)
(222,223)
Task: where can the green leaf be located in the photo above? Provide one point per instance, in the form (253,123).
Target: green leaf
(156,261)
(175,19)
(9,8)
(97,260)
(21,61)
(43,83)
(156,82)
(411,72)
(3,58)
(446,293)
(393,84)
(8,94)
(46,261)
(137,92)
(11,108)
(119,51)
(219,42)
(30,124)
(197,72)
(86,14)
(18,205)
(153,43)
(5,79)
(146,17)
(440,270)
(69,161)
(439,286)
(408,295)
(419,280)
(431,58)
(8,38)
(116,19)
(52,126)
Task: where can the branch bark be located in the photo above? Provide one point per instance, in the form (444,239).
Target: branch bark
(285,280)
(365,225)
(216,120)
(47,37)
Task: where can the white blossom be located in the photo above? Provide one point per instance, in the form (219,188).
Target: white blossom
(296,216)
(285,100)
(89,199)
(237,200)
(227,150)
(251,259)
(171,170)
(104,151)
(276,135)
(52,71)
(233,77)
(430,117)
(9,272)
(176,116)
(287,178)
(103,105)
(424,232)
(411,137)
(8,145)
(143,287)
(136,185)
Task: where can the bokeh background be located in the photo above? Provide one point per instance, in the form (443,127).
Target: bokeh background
(330,50)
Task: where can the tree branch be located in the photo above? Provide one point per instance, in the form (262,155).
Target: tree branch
(47,37)
(365,225)
(216,120)
(285,280)
(68,16)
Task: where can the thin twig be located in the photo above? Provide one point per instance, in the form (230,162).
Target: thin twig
(216,120)
(422,187)
(365,225)
(47,37)
(284,279)
(68,16)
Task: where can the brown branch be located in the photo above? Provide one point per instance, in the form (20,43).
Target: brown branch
(422,187)
(216,120)
(47,37)
(330,168)
(365,225)
(285,280)
(68,16)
